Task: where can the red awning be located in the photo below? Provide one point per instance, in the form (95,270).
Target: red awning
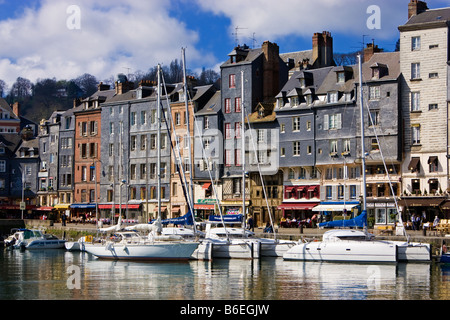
(204,206)
(124,206)
(206,186)
(312,188)
(298,206)
(301,188)
(289,189)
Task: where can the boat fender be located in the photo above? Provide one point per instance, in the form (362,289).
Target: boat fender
(109,246)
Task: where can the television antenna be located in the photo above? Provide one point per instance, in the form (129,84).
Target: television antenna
(236,34)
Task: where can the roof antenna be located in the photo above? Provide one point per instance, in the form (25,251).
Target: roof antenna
(235,34)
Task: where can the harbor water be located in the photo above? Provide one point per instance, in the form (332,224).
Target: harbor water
(62,275)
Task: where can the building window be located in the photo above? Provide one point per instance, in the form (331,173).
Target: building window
(374,144)
(329,192)
(296,148)
(282,128)
(296,124)
(143,142)
(2,165)
(133,143)
(374,93)
(206,123)
(133,118)
(374,118)
(346,146)
(237,104)
(232,81)
(143,117)
(415,185)
(177,118)
(415,134)
(332,97)
(237,130)
(294,101)
(415,101)
(340,77)
(227,131)
(433,106)
(352,192)
(415,71)
(332,121)
(415,43)
(433,75)
(228,105)
(133,172)
(282,152)
(261,135)
(333,147)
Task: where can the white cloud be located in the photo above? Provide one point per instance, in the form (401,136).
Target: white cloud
(271,19)
(113,36)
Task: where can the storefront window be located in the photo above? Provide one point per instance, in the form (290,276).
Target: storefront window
(392,215)
(380,215)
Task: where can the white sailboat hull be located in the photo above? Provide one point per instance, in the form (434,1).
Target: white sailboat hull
(164,250)
(413,251)
(275,248)
(344,251)
(235,249)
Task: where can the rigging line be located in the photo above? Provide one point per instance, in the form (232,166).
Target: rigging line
(207,166)
(210,177)
(260,174)
(180,172)
(385,168)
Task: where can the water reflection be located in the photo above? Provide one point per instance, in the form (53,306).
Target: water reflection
(71,275)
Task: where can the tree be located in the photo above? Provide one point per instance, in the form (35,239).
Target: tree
(87,83)
(3,88)
(21,89)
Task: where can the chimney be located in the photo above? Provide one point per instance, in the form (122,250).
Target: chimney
(123,87)
(416,7)
(103,87)
(76,102)
(370,50)
(322,55)
(271,70)
(16,109)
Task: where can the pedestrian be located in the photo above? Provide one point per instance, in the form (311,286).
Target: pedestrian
(63,219)
(250,223)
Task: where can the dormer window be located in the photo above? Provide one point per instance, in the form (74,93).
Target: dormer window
(332,97)
(294,101)
(340,77)
(309,99)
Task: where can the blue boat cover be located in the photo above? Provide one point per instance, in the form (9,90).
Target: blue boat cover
(228,218)
(184,220)
(357,222)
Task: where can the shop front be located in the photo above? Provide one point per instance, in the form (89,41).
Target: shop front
(294,214)
(422,208)
(204,208)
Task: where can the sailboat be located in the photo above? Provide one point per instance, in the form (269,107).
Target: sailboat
(349,245)
(130,245)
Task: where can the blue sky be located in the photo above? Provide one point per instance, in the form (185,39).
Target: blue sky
(48,38)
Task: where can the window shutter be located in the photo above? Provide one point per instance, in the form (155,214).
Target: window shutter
(323,192)
(339,121)
(326,123)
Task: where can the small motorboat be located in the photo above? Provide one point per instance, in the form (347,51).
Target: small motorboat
(33,239)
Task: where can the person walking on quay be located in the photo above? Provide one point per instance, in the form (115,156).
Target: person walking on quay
(63,219)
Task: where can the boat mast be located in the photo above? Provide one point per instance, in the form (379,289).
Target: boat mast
(243,146)
(158,139)
(190,192)
(363,151)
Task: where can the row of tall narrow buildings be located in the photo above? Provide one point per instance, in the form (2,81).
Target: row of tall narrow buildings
(302,132)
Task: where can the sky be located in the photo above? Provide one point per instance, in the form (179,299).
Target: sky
(64,39)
